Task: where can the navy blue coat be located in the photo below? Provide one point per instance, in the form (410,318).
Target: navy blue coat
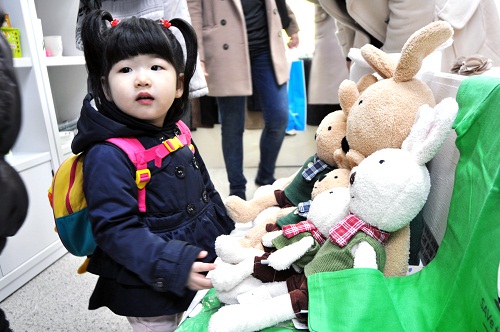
(143,259)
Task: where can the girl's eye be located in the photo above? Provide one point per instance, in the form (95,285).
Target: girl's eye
(126,70)
(156,67)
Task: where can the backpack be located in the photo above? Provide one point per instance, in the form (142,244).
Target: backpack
(67,198)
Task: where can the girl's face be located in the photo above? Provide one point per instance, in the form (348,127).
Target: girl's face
(144,86)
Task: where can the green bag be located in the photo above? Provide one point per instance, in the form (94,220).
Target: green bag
(458,290)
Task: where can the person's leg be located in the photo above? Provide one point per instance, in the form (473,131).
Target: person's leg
(167,323)
(273,101)
(232,117)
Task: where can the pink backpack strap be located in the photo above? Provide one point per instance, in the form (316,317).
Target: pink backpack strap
(135,152)
(140,156)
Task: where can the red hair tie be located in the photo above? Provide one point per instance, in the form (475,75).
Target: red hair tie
(115,22)
(166,23)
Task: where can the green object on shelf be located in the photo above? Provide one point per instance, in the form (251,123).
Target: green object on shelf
(13,36)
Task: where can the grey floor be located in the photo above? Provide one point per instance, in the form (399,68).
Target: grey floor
(56,300)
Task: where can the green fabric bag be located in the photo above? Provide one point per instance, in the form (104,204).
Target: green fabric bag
(458,290)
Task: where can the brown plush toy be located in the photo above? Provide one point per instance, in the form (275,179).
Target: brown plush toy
(329,136)
(382,112)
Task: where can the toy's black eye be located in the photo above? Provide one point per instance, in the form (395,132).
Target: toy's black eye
(381,161)
(336,177)
(353,176)
(329,127)
(360,102)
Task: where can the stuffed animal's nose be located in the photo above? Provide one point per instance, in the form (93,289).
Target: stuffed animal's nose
(353,176)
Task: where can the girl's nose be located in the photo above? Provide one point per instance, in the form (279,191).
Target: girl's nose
(142,80)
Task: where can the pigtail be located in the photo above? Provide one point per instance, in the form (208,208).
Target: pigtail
(94,28)
(190,40)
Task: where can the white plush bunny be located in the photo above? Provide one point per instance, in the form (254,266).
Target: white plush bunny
(387,190)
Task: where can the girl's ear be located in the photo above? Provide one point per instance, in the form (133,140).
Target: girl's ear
(105,88)
(180,86)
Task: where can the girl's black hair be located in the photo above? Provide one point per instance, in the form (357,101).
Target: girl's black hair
(104,45)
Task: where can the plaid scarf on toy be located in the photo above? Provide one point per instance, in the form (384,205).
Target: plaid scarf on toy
(301,227)
(318,165)
(303,208)
(342,232)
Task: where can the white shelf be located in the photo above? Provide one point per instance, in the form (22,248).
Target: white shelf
(24,161)
(65,61)
(25,62)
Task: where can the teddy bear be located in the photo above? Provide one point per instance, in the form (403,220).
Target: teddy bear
(387,190)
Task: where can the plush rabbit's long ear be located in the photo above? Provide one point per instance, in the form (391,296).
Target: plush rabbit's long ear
(420,44)
(381,62)
(430,129)
(348,93)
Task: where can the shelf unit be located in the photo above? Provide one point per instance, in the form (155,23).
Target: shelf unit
(52,91)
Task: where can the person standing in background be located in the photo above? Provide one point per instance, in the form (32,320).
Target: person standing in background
(327,68)
(242,51)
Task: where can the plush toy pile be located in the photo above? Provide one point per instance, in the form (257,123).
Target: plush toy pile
(388,129)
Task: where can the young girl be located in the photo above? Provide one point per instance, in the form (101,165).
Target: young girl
(149,264)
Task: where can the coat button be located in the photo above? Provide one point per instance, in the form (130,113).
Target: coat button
(180,172)
(279,33)
(204,196)
(190,209)
(275,11)
(223,22)
(195,163)
(159,284)
(225,46)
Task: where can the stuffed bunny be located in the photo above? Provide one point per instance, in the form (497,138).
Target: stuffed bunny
(387,190)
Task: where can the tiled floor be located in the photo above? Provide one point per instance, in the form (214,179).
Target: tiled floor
(56,300)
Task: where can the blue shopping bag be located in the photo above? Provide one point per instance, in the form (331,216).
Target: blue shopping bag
(297,97)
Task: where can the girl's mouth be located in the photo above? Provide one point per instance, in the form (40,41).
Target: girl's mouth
(144,98)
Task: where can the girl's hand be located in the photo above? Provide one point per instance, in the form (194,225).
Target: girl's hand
(196,280)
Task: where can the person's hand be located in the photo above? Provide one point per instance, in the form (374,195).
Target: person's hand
(294,41)
(196,280)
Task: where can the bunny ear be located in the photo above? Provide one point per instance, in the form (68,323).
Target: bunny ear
(430,129)
(420,44)
(348,93)
(383,63)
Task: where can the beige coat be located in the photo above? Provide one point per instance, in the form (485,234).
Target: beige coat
(389,21)
(223,45)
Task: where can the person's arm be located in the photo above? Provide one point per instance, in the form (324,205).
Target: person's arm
(292,30)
